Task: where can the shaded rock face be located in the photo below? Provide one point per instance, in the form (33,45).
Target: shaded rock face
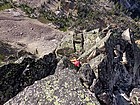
(15,77)
(6,49)
(11,54)
(132,6)
(5,52)
(86,75)
(118,73)
(62,88)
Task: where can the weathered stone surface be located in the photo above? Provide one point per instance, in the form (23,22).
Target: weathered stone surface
(99,45)
(95,62)
(11,54)
(66,46)
(32,3)
(29,34)
(6,51)
(62,88)
(91,38)
(15,77)
(78,42)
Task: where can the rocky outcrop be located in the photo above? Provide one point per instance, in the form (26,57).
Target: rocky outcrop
(86,75)
(118,73)
(114,59)
(27,34)
(77,42)
(62,88)
(15,77)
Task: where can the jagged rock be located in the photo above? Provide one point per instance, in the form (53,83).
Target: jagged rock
(62,88)
(79,42)
(86,75)
(91,38)
(95,62)
(120,98)
(98,45)
(116,77)
(73,42)
(7,53)
(66,46)
(135,96)
(6,49)
(11,54)
(15,77)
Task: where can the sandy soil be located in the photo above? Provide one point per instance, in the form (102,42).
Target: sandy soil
(29,34)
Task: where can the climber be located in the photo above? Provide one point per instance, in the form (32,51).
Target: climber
(76,62)
(71,63)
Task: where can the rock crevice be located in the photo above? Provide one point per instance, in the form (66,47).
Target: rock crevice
(15,77)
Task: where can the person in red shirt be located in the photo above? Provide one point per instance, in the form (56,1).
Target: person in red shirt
(76,63)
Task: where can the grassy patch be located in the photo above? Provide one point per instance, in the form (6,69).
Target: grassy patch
(1,58)
(63,29)
(43,20)
(5,6)
(28,10)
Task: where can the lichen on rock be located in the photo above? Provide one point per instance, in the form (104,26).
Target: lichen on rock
(62,88)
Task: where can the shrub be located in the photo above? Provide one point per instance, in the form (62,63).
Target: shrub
(5,5)
(28,10)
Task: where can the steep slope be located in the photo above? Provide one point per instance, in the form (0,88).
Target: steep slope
(62,88)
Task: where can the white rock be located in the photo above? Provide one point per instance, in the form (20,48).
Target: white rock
(126,35)
(16,14)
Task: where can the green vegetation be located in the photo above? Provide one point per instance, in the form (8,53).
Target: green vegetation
(62,21)
(63,29)
(4,6)
(1,58)
(88,17)
(28,10)
(43,19)
(47,16)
